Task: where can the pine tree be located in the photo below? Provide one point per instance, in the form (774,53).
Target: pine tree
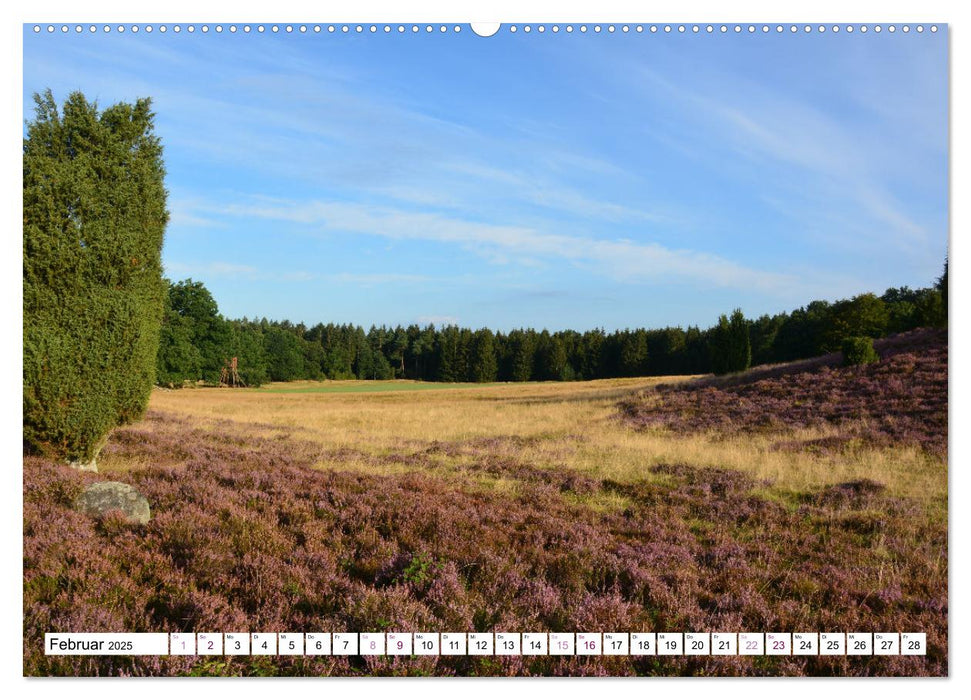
(284,356)
(633,353)
(731,349)
(520,348)
(450,354)
(94,219)
(741,345)
(483,366)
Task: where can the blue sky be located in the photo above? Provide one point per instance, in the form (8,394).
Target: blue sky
(546,180)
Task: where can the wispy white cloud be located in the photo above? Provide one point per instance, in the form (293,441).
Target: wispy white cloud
(228,270)
(806,139)
(619,259)
(356,144)
(183,214)
(539,188)
(179,218)
(413,194)
(798,147)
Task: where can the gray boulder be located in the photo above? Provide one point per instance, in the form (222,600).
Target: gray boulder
(103,496)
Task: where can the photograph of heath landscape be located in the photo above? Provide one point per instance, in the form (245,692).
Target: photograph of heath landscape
(565,329)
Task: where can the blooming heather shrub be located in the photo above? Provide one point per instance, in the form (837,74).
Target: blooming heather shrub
(247,537)
(858,351)
(901,400)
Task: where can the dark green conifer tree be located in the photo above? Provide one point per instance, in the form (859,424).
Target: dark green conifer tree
(483,366)
(94,218)
(284,355)
(731,349)
(520,349)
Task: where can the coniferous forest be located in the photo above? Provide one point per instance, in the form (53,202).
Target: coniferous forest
(197,342)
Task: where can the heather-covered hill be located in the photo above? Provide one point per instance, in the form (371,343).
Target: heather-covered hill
(900,400)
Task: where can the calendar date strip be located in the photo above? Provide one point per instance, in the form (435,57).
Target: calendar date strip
(487,644)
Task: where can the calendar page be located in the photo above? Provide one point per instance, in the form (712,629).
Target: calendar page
(525,348)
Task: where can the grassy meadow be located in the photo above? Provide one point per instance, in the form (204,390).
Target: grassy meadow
(654,504)
(571,427)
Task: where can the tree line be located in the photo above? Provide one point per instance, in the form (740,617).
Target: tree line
(197,342)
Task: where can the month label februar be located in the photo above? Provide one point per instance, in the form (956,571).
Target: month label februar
(106,644)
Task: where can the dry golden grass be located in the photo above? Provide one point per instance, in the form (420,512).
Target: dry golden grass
(549,425)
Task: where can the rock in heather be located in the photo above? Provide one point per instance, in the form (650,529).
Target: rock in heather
(97,499)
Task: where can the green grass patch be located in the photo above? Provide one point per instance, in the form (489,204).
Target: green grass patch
(600,501)
(787,498)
